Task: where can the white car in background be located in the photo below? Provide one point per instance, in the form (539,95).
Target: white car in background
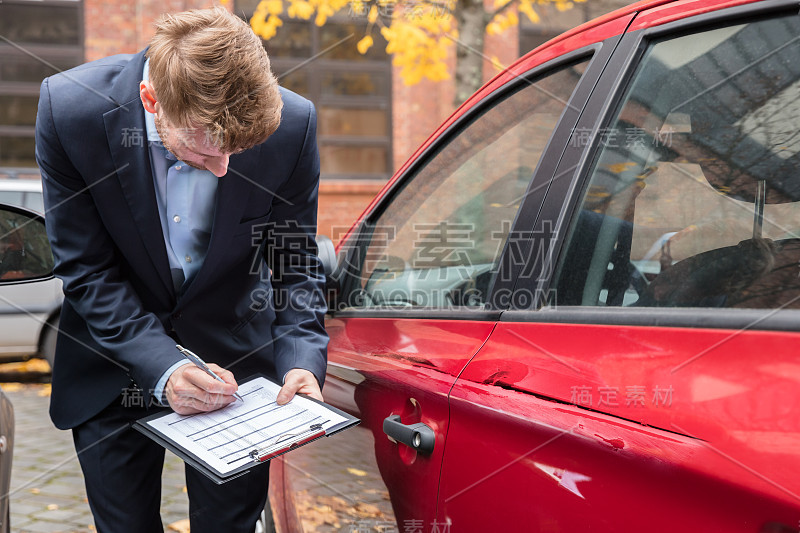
(28,311)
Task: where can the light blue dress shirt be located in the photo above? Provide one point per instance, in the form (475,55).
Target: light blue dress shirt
(186,197)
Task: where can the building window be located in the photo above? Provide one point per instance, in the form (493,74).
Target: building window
(37,39)
(352,92)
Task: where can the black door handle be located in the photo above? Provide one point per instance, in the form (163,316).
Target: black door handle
(418,436)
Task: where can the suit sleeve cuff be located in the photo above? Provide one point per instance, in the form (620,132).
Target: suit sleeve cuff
(158,392)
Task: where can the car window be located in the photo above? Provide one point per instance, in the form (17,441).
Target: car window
(438,241)
(24,249)
(694,200)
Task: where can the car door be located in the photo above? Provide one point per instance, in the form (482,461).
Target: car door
(416,281)
(653,384)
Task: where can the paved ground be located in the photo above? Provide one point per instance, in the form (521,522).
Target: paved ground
(47,493)
(336,489)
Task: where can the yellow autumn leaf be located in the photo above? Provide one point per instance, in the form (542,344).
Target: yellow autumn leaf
(364,44)
(323,12)
(300,9)
(493,28)
(357,472)
(181,526)
(617,168)
(263,24)
(274,7)
(497,64)
(526,7)
(373,14)
(419,47)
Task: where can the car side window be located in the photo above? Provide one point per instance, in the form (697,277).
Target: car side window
(439,239)
(694,199)
(24,249)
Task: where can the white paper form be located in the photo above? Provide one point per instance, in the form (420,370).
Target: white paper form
(224,439)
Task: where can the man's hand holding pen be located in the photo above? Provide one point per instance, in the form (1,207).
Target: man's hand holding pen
(190,390)
(199,387)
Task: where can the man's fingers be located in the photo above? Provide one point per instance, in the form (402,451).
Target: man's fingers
(184,401)
(226,375)
(203,381)
(190,390)
(299,381)
(287,392)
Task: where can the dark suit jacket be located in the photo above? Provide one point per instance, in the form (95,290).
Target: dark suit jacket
(121,314)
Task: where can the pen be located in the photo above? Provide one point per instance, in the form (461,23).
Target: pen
(199,363)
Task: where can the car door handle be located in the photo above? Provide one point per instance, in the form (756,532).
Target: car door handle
(418,436)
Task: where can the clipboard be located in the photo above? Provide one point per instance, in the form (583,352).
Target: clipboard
(228,443)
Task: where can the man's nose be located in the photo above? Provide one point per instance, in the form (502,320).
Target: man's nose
(218,165)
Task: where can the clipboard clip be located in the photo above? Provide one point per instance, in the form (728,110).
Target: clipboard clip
(286,442)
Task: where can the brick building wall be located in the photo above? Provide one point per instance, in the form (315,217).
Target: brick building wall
(125,26)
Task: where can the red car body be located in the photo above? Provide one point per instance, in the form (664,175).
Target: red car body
(576,416)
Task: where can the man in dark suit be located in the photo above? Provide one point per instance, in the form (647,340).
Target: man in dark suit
(201,234)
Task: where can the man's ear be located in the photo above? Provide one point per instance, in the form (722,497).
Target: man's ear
(148,96)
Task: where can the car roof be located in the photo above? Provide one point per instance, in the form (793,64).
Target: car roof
(24,185)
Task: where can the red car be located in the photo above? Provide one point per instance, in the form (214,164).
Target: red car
(576,307)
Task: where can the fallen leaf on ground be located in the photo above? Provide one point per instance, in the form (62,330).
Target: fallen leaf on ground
(181,526)
(357,472)
(317,511)
(31,365)
(366,510)
(52,507)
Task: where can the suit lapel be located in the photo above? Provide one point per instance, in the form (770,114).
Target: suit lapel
(127,140)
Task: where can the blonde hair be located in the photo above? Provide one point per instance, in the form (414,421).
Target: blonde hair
(209,70)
